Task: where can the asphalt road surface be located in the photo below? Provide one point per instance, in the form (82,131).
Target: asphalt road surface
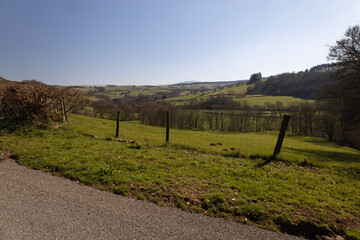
(36,205)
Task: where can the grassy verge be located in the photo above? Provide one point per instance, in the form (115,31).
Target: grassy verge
(278,196)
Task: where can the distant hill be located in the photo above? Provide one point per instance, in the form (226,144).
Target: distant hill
(4,82)
(219,83)
(302,84)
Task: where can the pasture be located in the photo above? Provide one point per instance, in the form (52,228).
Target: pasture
(315,183)
(261,100)
(296,149)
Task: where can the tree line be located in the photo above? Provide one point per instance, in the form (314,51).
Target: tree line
(302,84)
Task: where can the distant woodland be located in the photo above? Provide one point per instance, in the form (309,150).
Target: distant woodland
(305,84)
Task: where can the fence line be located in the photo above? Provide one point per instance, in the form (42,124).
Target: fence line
(257,143)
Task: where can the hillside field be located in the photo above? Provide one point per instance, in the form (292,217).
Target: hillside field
(239,89)
(316,183)
(187,92)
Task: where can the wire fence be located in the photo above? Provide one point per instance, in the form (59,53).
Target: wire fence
(301,149)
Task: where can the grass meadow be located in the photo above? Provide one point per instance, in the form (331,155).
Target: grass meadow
(296,149)
(313,189)
(251,100)
(260,100)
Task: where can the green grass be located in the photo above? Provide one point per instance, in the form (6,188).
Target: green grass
(233,89)
(213,90)
(252,100)
(121,91)
(296,149)
(260,100)
(201,178)
(183,98)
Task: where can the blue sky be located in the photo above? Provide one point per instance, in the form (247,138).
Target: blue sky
(138,42)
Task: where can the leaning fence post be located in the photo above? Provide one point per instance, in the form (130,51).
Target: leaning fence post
(280,140)
(117,124)
(167,126)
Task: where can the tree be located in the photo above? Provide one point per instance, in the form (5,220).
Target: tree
(346,51)
(66,100)
(346,92)
(256,77)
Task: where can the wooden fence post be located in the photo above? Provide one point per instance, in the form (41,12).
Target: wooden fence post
(117,124)
(280,140)
(167,126)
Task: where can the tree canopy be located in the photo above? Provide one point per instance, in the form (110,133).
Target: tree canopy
(346,56)
(256,77)
(301,84)
(346,93)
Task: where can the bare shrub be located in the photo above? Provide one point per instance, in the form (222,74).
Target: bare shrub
(27,103)
(37,103)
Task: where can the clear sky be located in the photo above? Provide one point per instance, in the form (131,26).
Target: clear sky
(138,42)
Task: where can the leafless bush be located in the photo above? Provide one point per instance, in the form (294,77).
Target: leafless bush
(36,103)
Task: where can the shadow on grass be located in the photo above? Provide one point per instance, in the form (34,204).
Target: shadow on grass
(347,163)
(267,159)
(335,156)
(316,141)
(9,127)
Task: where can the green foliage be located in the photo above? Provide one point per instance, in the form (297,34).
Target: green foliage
(306,162)
(282,219)
(134,146)
(352,235)
(122,189)
(253,212)
(217,199)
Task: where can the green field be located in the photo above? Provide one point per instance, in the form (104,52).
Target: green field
(134,91)
(183,98)
(296,149)
(260,100)
(202,92)
(317,183)
(233,89)
(241,88)
(251,100)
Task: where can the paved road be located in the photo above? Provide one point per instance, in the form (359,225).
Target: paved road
(36,205)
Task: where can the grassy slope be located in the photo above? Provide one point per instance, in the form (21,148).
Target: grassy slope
(296,149)
(120,91)
(214,89)
(270,196)
(241,89)
(262,99)
(233,89)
